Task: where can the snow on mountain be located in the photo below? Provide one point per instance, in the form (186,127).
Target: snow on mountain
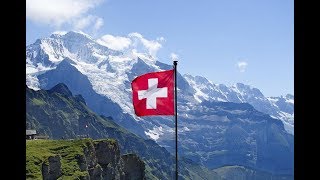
(110,73)
(105,68)
(278,107)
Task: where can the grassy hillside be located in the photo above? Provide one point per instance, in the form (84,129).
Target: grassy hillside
(38,152)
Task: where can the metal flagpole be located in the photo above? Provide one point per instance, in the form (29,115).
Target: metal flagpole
(176,113)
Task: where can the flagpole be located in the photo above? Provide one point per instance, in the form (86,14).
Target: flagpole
(176,113)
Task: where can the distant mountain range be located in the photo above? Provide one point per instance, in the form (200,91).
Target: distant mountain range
(281,107)
(218,125)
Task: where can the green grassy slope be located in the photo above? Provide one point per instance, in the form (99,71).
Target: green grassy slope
(38,152)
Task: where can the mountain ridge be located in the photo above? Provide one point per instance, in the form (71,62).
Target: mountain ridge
(281,107)
(116,69)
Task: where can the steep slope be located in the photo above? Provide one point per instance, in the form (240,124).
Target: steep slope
(222,133)
(60,115)
(80,84)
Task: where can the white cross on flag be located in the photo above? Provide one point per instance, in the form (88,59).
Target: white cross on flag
(152,93)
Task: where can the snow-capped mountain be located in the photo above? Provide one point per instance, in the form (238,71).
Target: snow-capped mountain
(106,69)
(103,76)
(278,107)
(111,71)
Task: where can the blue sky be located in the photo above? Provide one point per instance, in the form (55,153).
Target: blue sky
(226,41)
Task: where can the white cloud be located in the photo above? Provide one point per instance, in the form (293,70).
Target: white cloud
(58,12)
(134,44)
(98,24)
(174,56)
(161,39)
(242,66)
(115,42)
(135,34)
(152,46)
(84,22)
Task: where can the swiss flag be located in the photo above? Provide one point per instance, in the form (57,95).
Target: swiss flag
(152,93)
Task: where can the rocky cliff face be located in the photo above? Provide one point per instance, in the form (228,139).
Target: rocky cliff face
(82,159)
(52,170)
(133,167)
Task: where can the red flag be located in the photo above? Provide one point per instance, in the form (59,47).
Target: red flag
(152,93)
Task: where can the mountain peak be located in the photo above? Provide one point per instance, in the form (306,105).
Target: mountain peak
(70,33)
(61,88)
(200,79)
(59,33)
(78,33)
(289,96)
(76,36)
(247,89)
(241,85)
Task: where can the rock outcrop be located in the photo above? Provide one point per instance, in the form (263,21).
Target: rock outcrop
(52,170)
(108,157)
(101,160)
(133,167)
